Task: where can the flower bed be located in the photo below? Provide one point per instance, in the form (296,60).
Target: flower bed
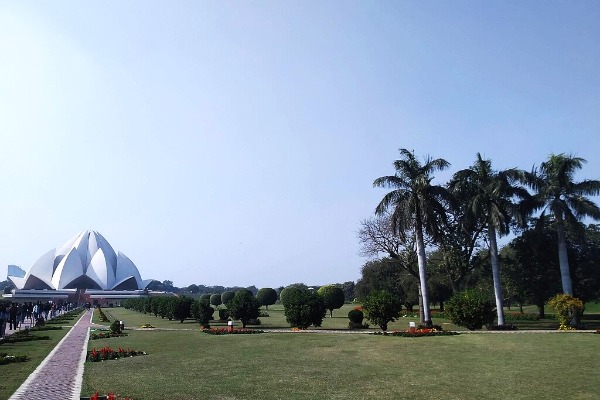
(7,359)
(44,328)
(109,396)
(105,335)
(227,331)
(521,317)
(418,333)
(106,353)
(22,336)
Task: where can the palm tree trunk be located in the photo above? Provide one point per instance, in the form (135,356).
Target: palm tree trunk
(496,273)
(563,260)
(423,274)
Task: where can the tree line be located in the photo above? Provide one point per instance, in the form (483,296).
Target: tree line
(455,228)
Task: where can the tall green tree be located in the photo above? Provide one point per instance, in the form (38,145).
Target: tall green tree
(333,297)
(558,195)
(490,202)
(416,205)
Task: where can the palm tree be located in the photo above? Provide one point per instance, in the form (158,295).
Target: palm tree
(557,195)
(490,203)
(416,205)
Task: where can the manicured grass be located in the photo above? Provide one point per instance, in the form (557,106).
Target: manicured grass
(193,365)
(276,320)
(13,375)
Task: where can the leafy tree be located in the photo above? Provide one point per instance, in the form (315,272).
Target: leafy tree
(202,312)
(302,308)
(529,268)
(348,288)
(565,200)
(227,296)
(490,202)
(416,205)
(193,288)
(381,307)
(166,308)
(384,274)
(288,292)
(244,306)
(333,297)
(266,297)
(182,308)
(471,309)
(215,300)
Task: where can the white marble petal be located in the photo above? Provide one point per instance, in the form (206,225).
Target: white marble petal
(109,252)
(42,270)
(126,268)
(81,244)
(100,272)
(68,269)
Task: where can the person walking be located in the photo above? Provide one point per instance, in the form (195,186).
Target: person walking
(12,316)
(3,319)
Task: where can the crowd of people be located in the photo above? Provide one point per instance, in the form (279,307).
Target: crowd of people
(13,315)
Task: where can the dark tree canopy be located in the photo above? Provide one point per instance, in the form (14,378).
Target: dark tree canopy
(266,296)
(243,306)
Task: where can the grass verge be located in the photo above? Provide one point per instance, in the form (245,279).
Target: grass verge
(192,365)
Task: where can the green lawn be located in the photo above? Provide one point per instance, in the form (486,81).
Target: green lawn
(192,365)
(13,375)
(276,320)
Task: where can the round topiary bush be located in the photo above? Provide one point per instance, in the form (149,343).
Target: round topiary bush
(356,316)
(227,296)
(288,293)
(472,309)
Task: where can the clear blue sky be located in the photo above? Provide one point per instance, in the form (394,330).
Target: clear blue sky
(236,143)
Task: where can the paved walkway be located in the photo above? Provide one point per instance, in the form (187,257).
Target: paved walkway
(59,376)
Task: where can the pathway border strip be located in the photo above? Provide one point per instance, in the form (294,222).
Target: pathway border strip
(79,374)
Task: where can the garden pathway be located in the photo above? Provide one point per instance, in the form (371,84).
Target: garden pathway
(59,376)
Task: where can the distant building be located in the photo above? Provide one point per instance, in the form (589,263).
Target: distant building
(87,262)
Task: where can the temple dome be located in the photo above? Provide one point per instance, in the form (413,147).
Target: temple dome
(87,261)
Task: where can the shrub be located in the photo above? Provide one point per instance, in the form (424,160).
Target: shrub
(115,327)
(566,308)
(215,300)
(471,309)
(302,308)
(356,316)
(507,327)
(381,307)
(356,320)
(8,359)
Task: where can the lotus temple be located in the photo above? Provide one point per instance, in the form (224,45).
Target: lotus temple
(86,268)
